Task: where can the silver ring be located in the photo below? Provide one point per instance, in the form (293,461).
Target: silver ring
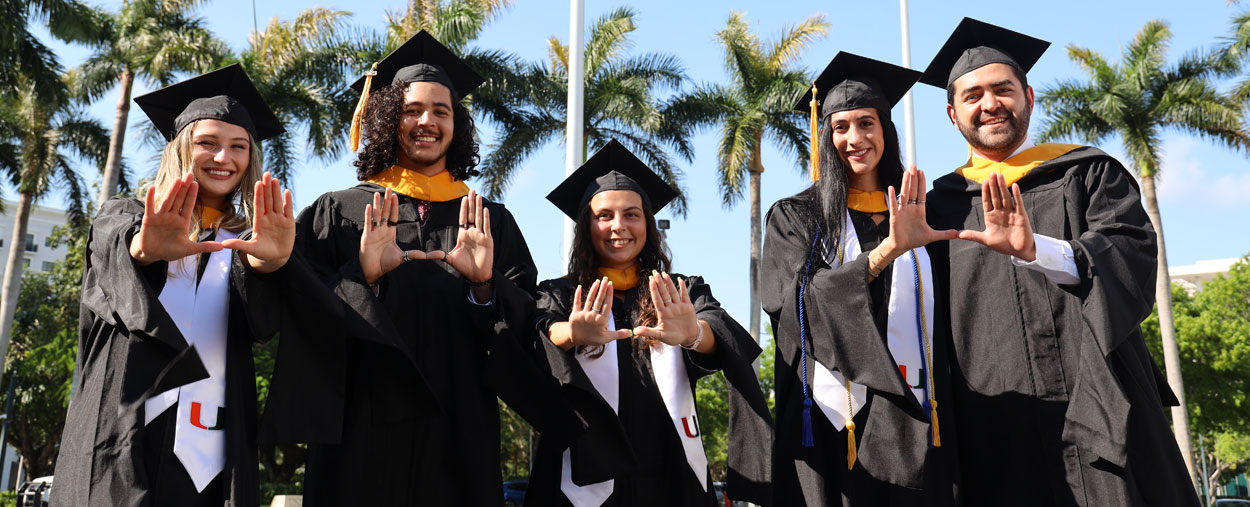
(919,202)
(596,310)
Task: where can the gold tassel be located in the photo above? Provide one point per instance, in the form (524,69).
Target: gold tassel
(851,453)
(815,135)
(358,116)
(937,439)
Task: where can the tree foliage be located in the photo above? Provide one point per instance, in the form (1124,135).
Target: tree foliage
(1213,332)
(42,354)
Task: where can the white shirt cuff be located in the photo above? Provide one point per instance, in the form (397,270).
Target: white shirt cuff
(1054,259)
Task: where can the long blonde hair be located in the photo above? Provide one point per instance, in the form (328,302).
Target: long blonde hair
(176,162)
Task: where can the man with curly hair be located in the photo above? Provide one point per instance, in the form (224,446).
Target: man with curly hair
(436,285)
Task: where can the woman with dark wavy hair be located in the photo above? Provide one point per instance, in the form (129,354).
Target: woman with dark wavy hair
(850,291)
(627,340)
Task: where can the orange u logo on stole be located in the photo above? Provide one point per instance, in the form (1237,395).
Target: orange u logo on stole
(195,417)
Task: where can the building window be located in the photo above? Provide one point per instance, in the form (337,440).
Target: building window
(47,241)
(31,246)
(47,266)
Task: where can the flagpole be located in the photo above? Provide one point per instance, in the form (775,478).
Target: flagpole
(574,145)
(909,119)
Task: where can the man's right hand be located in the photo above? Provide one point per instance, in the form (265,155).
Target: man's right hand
(379,254)
(163,233)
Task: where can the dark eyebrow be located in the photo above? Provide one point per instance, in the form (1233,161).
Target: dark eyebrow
(436,104)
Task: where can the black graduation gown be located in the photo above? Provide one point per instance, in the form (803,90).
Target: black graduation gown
(639,448)
(1057,400)
(130,349)
(414,418)
(847,319)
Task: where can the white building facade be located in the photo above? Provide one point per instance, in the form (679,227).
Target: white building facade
(39,254)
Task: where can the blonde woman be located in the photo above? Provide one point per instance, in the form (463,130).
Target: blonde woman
(165,405)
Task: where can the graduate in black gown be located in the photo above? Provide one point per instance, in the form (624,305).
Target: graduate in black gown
(863,394)
(627,341)
(433,281)
(165,410)
(1057,399)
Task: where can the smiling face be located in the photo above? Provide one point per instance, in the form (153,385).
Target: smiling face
(618,227)
(220,153)
(991,109)
(425,128)
(858,136)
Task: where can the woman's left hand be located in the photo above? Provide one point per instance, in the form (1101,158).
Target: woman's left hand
(273,228)
(676,322)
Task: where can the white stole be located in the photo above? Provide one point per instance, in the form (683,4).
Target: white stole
(829,387)
(201,312)
(669,366)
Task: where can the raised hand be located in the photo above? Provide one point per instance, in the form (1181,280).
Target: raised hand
(1007,228)
(676,323)
(379,254)
(474,254)
(166,222)
(273,227)
(908,226)
(588,322)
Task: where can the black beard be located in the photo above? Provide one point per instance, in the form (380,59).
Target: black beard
(1017,128)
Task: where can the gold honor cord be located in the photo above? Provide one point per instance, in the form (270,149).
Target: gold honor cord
(928,355)
(359,115)
(852,454)
(815,148)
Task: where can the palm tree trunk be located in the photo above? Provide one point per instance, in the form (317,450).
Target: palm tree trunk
(112,168)
(757,169)
(13,271)
(1171,352)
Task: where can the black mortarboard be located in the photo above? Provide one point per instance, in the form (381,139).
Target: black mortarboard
(851,81)
(613,167)
(224,94)
(423,58)
(975,44)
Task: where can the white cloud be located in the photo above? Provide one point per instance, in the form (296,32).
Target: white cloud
(1184,180)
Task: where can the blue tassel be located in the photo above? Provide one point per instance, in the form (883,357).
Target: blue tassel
(807,423)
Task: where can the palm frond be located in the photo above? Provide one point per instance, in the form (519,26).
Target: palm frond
(793,41)
(608,37)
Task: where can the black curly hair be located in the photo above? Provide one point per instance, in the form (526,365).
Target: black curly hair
(381,122)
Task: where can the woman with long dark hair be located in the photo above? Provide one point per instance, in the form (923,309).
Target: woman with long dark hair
(850,292)
(627,340)
(165,411)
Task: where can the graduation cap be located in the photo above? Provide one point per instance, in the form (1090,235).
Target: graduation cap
(419,59)
(224,94)
(975,44)
(613,167)
(850,82)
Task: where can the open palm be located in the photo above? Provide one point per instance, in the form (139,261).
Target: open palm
(1007,228)
(676,323)
(273,228)
(908,225)
(166,220)
(474,254)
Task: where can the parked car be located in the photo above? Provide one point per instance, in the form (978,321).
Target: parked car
(35,493)
(514,493)
(1231,502)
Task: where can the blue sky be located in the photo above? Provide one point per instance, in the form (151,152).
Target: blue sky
(1203,188)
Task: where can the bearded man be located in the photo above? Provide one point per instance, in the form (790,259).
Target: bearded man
(1057,400)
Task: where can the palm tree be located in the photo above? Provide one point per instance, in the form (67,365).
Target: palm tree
(1136,100)
(38,140)
(765,83)
(148,39)
(298,67)
(620,104)
(21,53)
(455,23)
